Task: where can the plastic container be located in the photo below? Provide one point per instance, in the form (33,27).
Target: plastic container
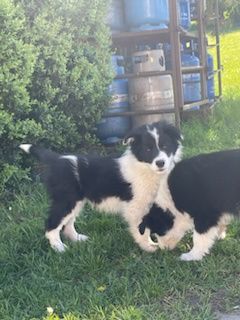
(112,129)
(184,13)
(193,9)
(118,64)
(192,81)
(151,93)
(115,18)
(148,60)
(193,47)
(146,14)
(210,80)
(167,55)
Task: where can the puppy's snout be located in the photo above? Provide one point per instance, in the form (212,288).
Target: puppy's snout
(160,163)
(153,238)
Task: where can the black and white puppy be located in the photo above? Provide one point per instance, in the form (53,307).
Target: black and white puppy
(201,194)
(127,185)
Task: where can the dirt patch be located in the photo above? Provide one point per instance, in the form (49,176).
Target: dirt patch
(217,301)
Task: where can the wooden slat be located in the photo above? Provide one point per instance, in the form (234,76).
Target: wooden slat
(143,74)
(160,110)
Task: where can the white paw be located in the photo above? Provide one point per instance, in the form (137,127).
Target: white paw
(74,236)
(81,237)
(222,235)
(59,246)
(190,257)
(148,247)
(151,249)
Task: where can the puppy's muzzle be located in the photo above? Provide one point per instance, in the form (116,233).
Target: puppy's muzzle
(153,239)
(160,164)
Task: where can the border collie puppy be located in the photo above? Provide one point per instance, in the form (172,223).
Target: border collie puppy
(201,194)
(127,185)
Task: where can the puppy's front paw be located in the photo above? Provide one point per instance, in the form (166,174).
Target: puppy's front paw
(190,257)
(81,237)
(222,235)
(151,248)
(59,247)
(148,247)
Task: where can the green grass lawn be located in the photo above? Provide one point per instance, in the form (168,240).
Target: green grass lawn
(109,277)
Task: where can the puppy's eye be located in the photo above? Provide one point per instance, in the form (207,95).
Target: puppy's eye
(149,149)
(164,147)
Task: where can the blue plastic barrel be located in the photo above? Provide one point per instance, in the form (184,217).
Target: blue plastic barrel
(146,14)
(192,81)
(116,16)
(118,64)
(167,54)
(193,47)
(111,129)
(193,9)
(210,80)
(184,13)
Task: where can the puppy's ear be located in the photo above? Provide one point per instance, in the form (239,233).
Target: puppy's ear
(173,132)
(132,136)
(128,140)
(142,228)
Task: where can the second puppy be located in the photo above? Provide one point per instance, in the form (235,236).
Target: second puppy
(201,194)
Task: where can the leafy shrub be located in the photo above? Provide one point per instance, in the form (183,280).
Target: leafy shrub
(16,67)
(68,87)
(55,68)
(229,11)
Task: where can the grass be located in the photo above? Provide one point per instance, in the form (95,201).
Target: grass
(109,277)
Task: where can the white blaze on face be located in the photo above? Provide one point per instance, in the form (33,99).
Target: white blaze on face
(162,156)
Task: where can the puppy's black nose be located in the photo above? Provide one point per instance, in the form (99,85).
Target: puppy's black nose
(154,237)
(160,163)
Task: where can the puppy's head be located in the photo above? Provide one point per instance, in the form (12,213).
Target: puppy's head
(159,222)
(158,145)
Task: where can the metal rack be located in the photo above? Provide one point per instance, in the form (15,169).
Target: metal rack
(126,43)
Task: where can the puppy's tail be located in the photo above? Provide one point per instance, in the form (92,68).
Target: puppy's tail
(43,155)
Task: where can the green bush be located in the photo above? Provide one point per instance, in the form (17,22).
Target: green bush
(68,87)
(229,11)
(55,69)
(16,68)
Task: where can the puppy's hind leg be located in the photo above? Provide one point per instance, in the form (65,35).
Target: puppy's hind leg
(202,243)
(61,212)
(69,230)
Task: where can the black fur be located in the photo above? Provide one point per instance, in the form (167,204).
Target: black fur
(98,179)
(101,178)
(71,179)
(205,187)
(154,220)
(144,147)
